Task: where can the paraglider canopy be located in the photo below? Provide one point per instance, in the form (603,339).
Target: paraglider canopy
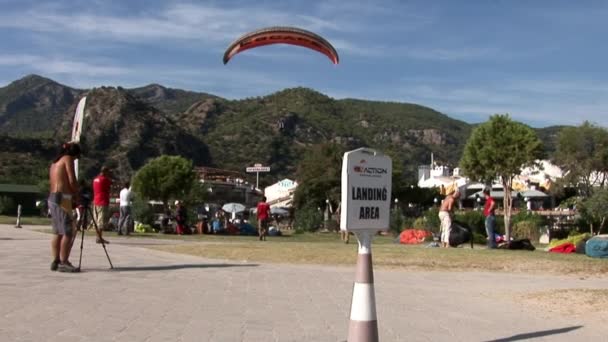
(282,35)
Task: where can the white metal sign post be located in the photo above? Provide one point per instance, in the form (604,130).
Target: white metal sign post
(257,168)
(366,201)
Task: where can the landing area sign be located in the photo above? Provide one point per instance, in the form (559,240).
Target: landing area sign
(366,190)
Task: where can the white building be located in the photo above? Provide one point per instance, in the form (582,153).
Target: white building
(280,194)
(440,177)
(547,170)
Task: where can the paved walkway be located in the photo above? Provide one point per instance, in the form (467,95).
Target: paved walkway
(158,296)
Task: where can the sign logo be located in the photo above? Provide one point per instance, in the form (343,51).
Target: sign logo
(371,171)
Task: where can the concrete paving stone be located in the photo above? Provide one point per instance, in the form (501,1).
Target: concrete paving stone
(159,296)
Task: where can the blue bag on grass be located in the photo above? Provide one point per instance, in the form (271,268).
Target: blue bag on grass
(597,247)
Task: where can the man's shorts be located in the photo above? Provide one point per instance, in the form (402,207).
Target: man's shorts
(102,216)
(60,207)
(263,224)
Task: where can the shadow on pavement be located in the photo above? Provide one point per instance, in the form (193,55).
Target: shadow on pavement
(536,334)
(177,267)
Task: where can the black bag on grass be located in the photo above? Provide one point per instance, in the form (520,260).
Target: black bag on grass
(521,244)
(460,233)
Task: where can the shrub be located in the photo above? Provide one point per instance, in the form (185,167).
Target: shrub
(408,222)
(142,211)
(7,206)
(419,223)
(308,219)
(331,225)
(479,239)
(527,230)
(525,215)
(431,219)
(396,222)
(527,225)
(473,219)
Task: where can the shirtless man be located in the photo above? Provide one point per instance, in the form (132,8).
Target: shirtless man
(63,193)
(445,215)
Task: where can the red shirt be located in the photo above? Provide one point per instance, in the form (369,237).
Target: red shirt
(486,209)
(101,190)
(263,211)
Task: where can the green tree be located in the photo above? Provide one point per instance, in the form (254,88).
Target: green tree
(583,152)
(197,195)
(596,209)
(308,219)
(164,178)
(143,211)
(319,176)
(500,148)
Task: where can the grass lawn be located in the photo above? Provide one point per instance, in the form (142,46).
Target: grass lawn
(29,220)
(327,249)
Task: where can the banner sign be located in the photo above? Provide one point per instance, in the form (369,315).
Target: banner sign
(78,120)
(366,190)
(77,127)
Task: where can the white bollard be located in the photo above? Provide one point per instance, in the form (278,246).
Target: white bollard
(18,224)
(363,325)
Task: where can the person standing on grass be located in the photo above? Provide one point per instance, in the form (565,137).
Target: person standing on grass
(101,201)
(446,213)
(263,213)
(488,212)
(126,196)
(62,198)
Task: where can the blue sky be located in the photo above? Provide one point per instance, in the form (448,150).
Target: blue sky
(543,62)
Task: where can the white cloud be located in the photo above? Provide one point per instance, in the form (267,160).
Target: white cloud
(538,101)
(351,31)
(448,54)
(177,21)
(21,59)
(61,65)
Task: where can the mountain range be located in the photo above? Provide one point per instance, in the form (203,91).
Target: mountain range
(126,127)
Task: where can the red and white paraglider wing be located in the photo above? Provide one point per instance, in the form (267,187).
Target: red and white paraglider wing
(282,35)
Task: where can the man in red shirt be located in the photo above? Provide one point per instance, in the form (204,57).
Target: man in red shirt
(101,200)
(488,212)
(263,212)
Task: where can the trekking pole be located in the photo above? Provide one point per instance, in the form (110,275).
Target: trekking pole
(81,224)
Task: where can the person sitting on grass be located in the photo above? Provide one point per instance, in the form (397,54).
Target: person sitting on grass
(216,225)
(231,228)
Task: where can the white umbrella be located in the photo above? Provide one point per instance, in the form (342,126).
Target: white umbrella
(233,208)
(279,211)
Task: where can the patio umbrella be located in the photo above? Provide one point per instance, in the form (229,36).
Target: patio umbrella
(279,211)
(233,208)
